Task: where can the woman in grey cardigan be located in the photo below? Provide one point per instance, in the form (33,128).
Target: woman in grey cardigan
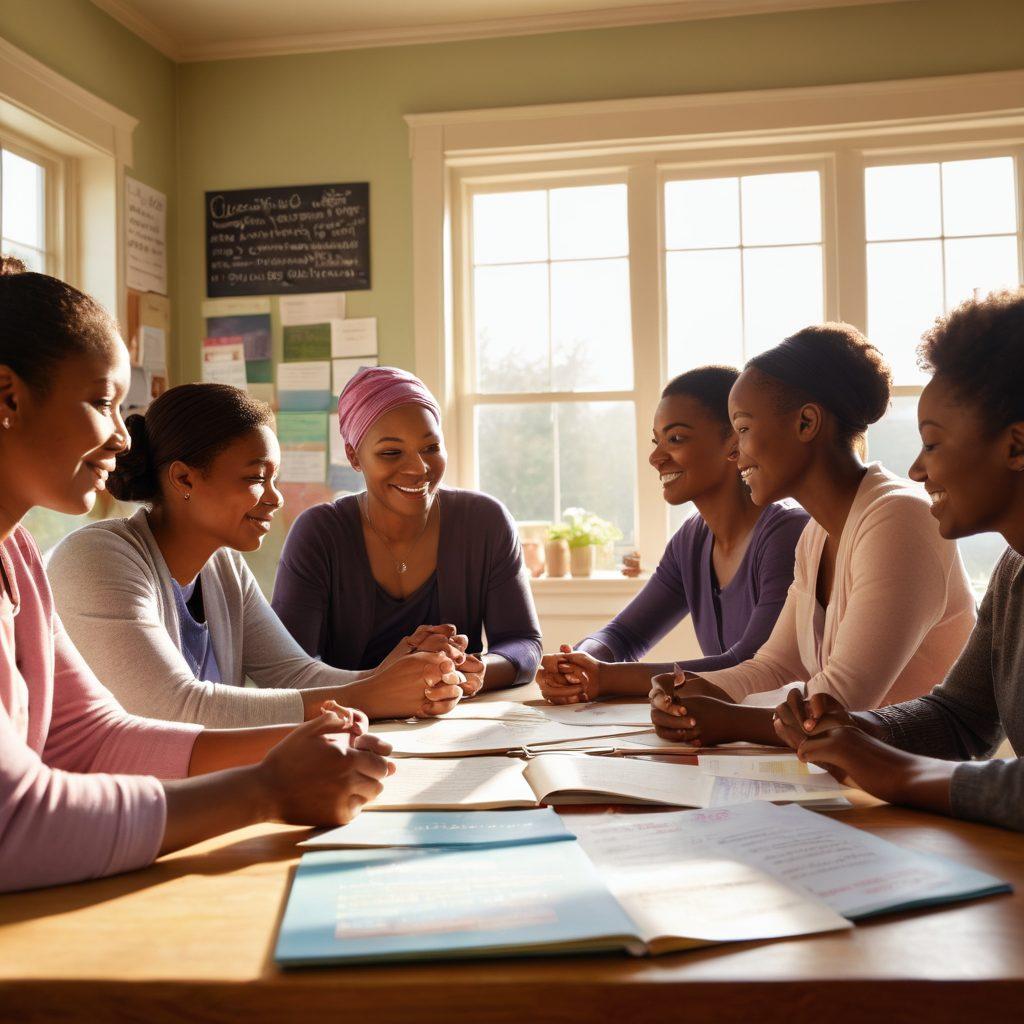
(936,752)
(165,609)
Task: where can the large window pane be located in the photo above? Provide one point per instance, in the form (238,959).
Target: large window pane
(589,222)
(979,197)
(705,309)
(590,325)
(22,187)
(903,201)
(782,292)
(979,265)
(515,457)
(904,297)
(781,208)
(510,227)
(597,460)
(702,214)
(511,319)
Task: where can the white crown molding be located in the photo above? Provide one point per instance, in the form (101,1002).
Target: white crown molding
(654,14)
(122,11)
(36,90)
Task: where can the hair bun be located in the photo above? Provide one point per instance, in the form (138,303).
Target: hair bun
(134,477)
(10,266)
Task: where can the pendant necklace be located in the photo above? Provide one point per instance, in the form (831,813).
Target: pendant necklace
(401,565)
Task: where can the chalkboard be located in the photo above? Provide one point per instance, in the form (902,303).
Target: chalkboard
(280,241)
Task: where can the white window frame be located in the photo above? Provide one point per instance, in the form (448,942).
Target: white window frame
(843,129)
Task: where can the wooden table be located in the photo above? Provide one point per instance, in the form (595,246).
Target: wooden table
(191,938)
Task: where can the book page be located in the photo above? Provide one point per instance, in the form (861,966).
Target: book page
(780,767)
(443,737)
(676,880)
(480,782)
(728,791)
(597,713)
(559,775)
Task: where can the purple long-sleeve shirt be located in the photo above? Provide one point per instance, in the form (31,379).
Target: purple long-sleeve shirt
(324,592)
(731,623)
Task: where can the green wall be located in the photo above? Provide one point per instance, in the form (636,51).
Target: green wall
(338,116)
(80,42)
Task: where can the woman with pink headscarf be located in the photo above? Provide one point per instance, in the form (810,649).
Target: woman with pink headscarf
(406,558)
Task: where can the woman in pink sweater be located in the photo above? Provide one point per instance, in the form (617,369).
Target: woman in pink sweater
(880,605)
(86,789)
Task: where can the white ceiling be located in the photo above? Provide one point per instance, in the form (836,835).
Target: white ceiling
(189,30)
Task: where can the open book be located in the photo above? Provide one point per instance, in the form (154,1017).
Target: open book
(484,783)
(349,906)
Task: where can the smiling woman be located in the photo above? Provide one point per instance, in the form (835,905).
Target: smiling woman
(165,609)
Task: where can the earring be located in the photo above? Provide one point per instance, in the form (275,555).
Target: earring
(7,422)
(188,494)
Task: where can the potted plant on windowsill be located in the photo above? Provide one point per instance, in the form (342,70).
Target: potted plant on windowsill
(582,532)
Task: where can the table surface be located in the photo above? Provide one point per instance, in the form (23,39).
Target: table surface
(191,938)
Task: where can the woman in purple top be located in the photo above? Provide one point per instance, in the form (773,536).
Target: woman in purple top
(729,566)
(359,575)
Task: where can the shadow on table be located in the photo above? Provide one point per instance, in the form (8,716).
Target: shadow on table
(36,904)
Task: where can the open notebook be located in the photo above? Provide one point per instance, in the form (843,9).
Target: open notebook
(485,783)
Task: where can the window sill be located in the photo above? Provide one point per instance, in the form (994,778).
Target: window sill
(596,598)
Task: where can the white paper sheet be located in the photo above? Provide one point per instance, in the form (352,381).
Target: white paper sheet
(598,713)
(154,350)
(312,309)
(300,466)
(676,874)
(355,338)
(343,370)
(243,305)
(145,237)
(224,364)
(727,791)
(315,376)
(769,768)
(456,782)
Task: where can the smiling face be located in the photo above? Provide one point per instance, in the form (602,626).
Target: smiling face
(402,459)
(234,500)
(973,477)
(61,444)
(694,453)
(773,445)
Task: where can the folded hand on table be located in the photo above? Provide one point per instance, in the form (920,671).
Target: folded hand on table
(569,677)
(688,709)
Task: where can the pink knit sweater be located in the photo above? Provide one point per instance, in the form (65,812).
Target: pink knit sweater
(78,797)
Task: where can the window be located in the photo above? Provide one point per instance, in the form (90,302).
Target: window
(590,252)
(23,222)
(551,366)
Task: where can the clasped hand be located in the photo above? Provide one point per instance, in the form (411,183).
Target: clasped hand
(688,709)
(569,677)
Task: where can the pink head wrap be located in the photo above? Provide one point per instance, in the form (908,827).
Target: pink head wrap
(374,391)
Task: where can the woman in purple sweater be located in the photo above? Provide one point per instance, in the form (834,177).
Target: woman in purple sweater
(360,574)
(729,566)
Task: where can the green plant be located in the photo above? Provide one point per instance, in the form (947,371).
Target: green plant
(582,528)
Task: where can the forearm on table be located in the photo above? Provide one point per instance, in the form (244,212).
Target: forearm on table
(630,678)
(499,672)
(199,809)
(217,749)
(752,725)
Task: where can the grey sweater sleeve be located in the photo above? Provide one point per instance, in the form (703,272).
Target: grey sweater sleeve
(960,719)
(108,600)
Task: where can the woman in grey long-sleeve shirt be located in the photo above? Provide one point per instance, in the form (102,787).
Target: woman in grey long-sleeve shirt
(936,752)
(163,606)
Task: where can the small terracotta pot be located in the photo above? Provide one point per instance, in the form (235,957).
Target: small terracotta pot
(581,560)
(556,554)
(533,556)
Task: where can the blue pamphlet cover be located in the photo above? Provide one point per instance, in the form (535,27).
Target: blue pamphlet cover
(443,828)
(348,906)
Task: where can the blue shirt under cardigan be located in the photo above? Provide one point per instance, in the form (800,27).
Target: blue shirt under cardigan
(325,591)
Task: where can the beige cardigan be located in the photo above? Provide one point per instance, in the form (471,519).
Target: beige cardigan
(900,612)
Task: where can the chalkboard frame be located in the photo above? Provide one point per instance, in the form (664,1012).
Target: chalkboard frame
(248,200)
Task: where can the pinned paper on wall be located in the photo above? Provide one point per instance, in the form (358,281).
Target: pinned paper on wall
(153,350)
(224,361)
(304,387)
(145,237)
(308,341)
(138,397)
(262,392)
(303,438)
(343,370)
(302,428)
(312,309)
(344,480)
(243,306)
(253,329)
(337,444)
(299,466)
(355,338)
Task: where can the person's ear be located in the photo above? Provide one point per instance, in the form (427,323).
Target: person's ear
(10,397)
(810,422)
(182,480)
(353,459)
(1015,449)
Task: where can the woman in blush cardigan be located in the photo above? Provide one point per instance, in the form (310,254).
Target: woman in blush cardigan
(880,604)
(728,566)
(359,574)
(86,789)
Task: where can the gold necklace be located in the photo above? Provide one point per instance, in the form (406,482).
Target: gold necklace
(401,566)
